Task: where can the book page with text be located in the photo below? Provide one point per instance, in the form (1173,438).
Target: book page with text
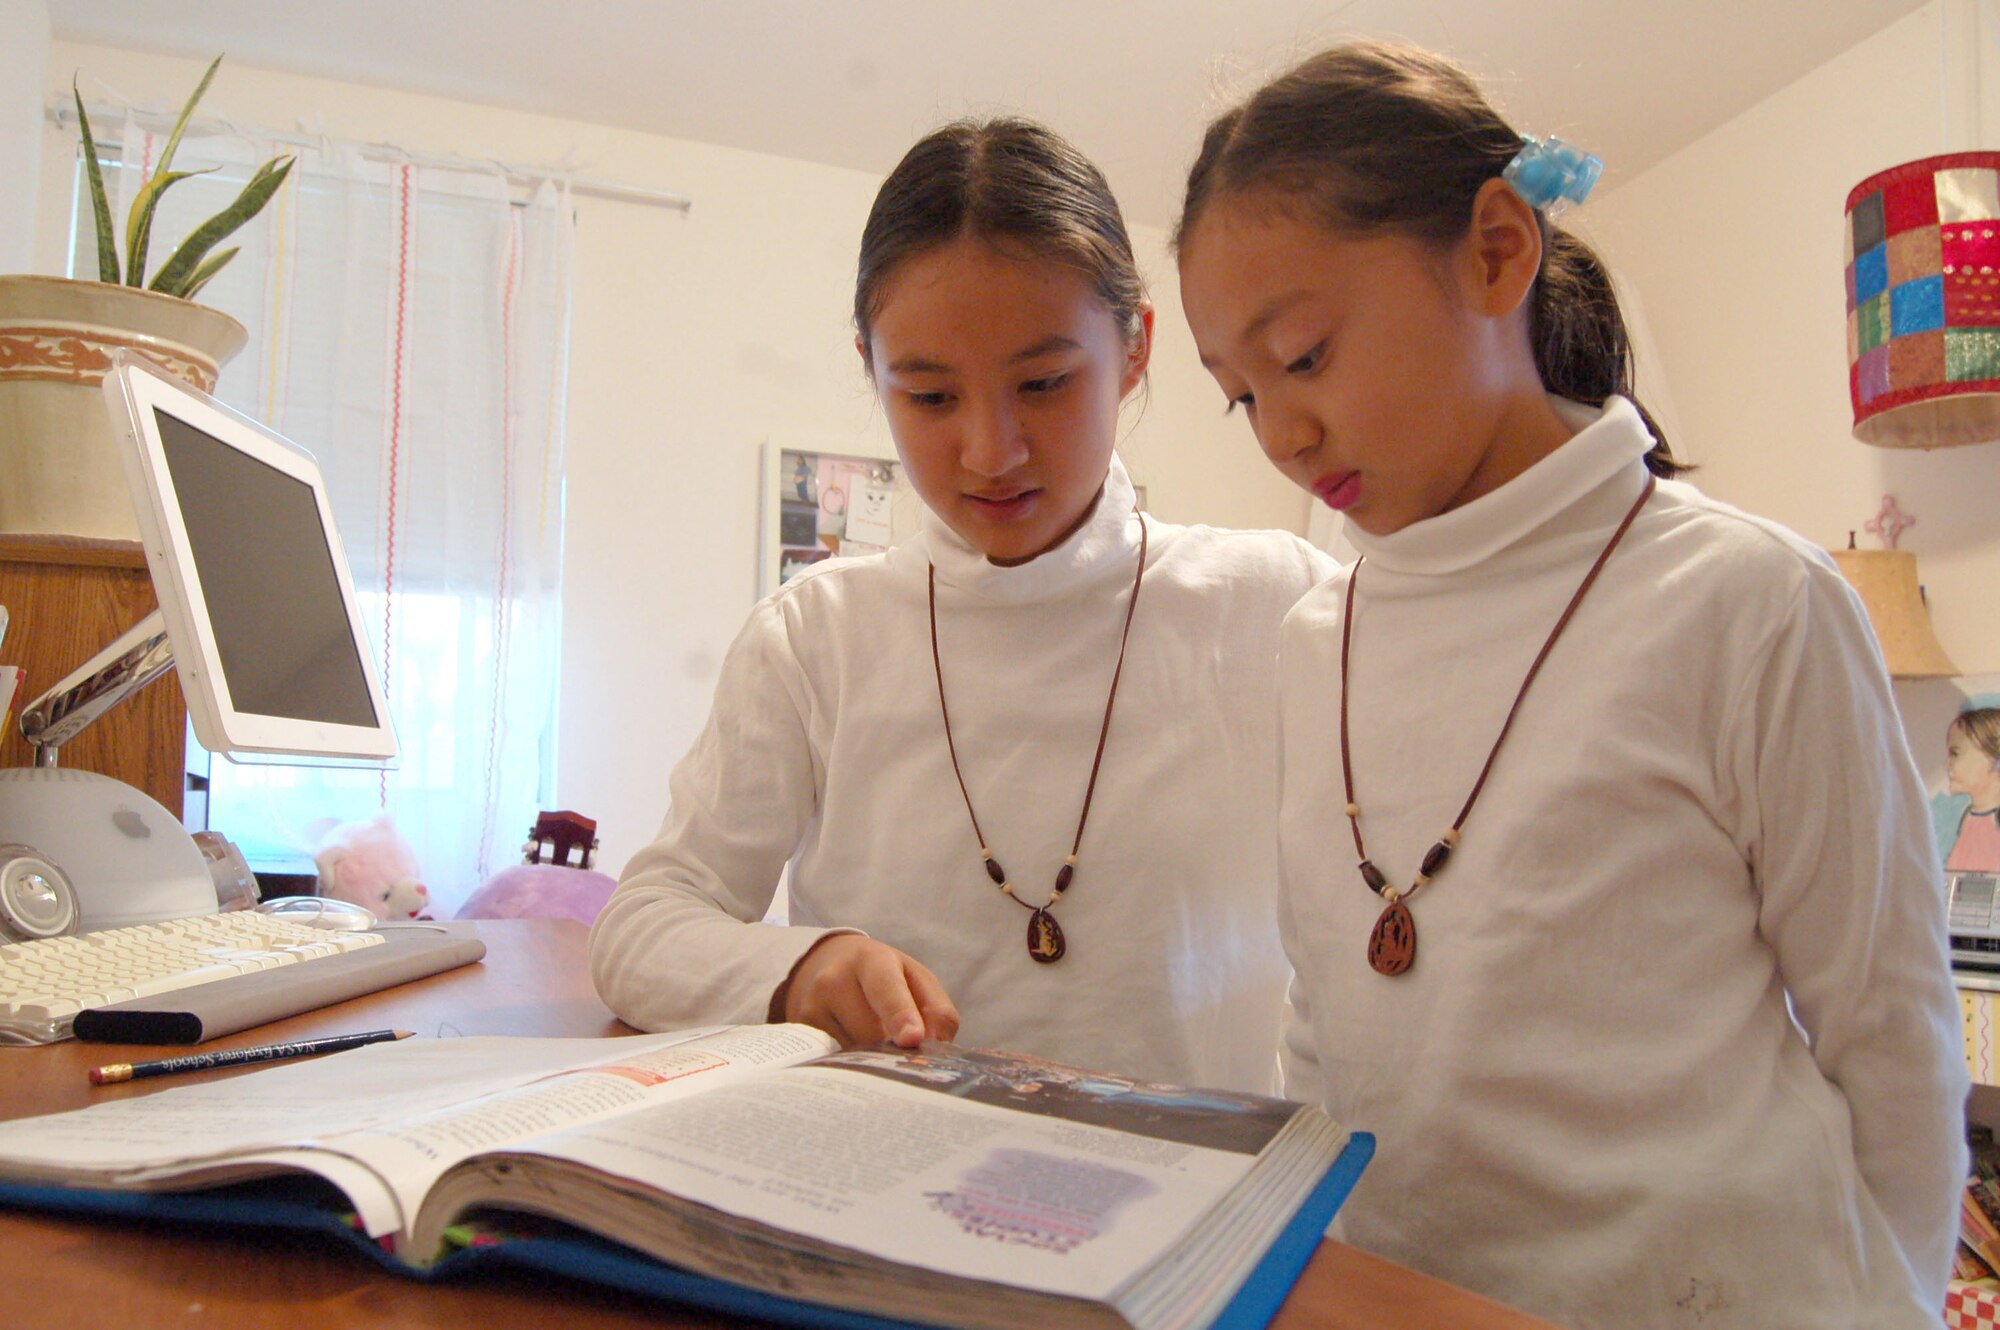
(410,1152)
(346,1114)
(904,1174)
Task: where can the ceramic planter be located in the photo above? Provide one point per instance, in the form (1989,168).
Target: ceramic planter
(59,474)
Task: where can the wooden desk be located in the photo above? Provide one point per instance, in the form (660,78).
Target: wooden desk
(67,1273)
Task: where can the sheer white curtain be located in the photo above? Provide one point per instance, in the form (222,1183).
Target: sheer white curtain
(408,326)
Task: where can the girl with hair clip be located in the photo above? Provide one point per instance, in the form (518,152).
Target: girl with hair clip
(1023,767)
(1605,869)
(1972,754)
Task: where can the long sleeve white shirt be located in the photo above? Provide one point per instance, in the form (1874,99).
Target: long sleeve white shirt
(1591,1096)
(825,748)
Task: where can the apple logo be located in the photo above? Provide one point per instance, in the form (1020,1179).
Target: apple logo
(128,821)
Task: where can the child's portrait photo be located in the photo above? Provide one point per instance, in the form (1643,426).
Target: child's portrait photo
(1957,745)
(1967,812)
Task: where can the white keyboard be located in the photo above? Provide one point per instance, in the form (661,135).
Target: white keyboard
(45,983)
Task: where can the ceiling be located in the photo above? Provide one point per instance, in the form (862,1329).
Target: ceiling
(852,82)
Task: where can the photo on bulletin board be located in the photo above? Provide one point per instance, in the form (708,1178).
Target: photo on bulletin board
(829,502)
(1953,727)
(1960,761)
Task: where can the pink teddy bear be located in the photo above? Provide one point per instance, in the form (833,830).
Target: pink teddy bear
(369,864)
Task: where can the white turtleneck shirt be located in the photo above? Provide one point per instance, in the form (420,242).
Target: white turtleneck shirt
(825,748)
(1679,1046)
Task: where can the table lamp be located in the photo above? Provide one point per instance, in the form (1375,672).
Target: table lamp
(1886,581)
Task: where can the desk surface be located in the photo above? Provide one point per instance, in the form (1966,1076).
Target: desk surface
(534,981)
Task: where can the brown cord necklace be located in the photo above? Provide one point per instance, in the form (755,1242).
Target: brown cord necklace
(1392,945)
(1045,937)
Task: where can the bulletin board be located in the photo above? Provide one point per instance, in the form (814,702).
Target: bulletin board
(829,502)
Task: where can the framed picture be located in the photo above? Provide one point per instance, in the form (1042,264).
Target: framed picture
(1954,731)
(829,502)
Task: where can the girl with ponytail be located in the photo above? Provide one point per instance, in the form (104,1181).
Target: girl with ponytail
(1044,677)
(1606,876)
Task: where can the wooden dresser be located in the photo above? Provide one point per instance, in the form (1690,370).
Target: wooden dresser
(67,598)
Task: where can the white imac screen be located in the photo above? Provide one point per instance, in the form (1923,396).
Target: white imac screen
(274,603)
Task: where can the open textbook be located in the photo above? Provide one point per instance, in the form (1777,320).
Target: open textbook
(769,1171)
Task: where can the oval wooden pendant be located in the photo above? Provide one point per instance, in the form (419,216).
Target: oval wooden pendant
(1045,937)
(1392,946)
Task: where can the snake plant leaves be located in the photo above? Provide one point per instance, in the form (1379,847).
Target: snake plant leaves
(188,269)
(139,220)
(107,248)
(180,270)
(209,267)
(139,227)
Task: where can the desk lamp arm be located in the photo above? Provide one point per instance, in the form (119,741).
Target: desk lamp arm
(141,655)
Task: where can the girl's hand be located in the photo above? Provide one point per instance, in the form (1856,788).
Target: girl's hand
(862,991)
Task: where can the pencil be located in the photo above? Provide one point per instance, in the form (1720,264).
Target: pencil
(236,1057)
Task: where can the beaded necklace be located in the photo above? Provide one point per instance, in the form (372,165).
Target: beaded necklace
(1045,937)
(1392,944)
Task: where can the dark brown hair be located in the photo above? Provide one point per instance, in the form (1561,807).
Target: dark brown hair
(1373,138)
(1015,184)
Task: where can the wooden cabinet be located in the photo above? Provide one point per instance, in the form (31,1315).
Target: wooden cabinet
(67,598)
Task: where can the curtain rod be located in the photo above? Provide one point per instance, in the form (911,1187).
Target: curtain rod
(62,113)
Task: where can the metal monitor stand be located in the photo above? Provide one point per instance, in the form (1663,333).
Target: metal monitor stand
(139,656)
(126,857)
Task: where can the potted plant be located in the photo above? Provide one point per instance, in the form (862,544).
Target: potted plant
(58,473)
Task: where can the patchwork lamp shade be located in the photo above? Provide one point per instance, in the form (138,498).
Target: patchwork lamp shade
(1923,302)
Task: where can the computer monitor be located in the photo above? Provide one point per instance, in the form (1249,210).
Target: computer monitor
(257,615)
(254,588)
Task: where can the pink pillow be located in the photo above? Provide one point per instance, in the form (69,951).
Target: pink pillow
(540,891)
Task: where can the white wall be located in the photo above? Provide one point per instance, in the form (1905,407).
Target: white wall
(23,55)
(695,338)
(1735,247)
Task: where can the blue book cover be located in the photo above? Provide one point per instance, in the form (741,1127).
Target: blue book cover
(583,1256)
(1228,1264)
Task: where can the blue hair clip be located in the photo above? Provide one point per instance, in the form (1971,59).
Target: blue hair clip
(1547,172)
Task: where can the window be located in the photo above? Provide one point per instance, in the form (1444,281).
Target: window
(408,325)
